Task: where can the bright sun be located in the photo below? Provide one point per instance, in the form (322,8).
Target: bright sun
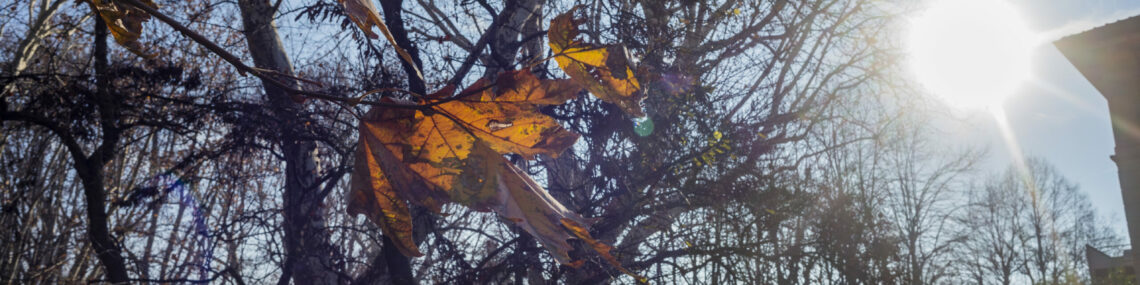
(971,53)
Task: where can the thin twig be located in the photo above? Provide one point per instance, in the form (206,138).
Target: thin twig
(477,50)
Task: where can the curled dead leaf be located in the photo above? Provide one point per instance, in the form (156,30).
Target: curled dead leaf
(364,14)
(124,22)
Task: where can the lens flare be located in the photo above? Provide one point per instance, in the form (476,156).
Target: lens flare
(170,183)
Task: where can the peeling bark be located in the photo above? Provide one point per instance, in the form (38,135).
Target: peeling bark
(308,252)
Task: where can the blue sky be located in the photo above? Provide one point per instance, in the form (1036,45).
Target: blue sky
(1058,115)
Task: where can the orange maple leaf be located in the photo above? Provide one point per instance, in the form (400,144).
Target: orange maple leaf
(450,149)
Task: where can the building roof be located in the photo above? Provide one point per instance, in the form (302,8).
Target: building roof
(1107,32)
(1099,260)
(1108,56)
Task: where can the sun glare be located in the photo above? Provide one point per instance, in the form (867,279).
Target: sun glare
(971,53)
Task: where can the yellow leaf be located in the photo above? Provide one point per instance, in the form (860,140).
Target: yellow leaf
(603,70)
(507,120)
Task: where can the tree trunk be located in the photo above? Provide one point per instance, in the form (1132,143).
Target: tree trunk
(30,44)
(90,169)
(108,252)
(523,20)
(308,253)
